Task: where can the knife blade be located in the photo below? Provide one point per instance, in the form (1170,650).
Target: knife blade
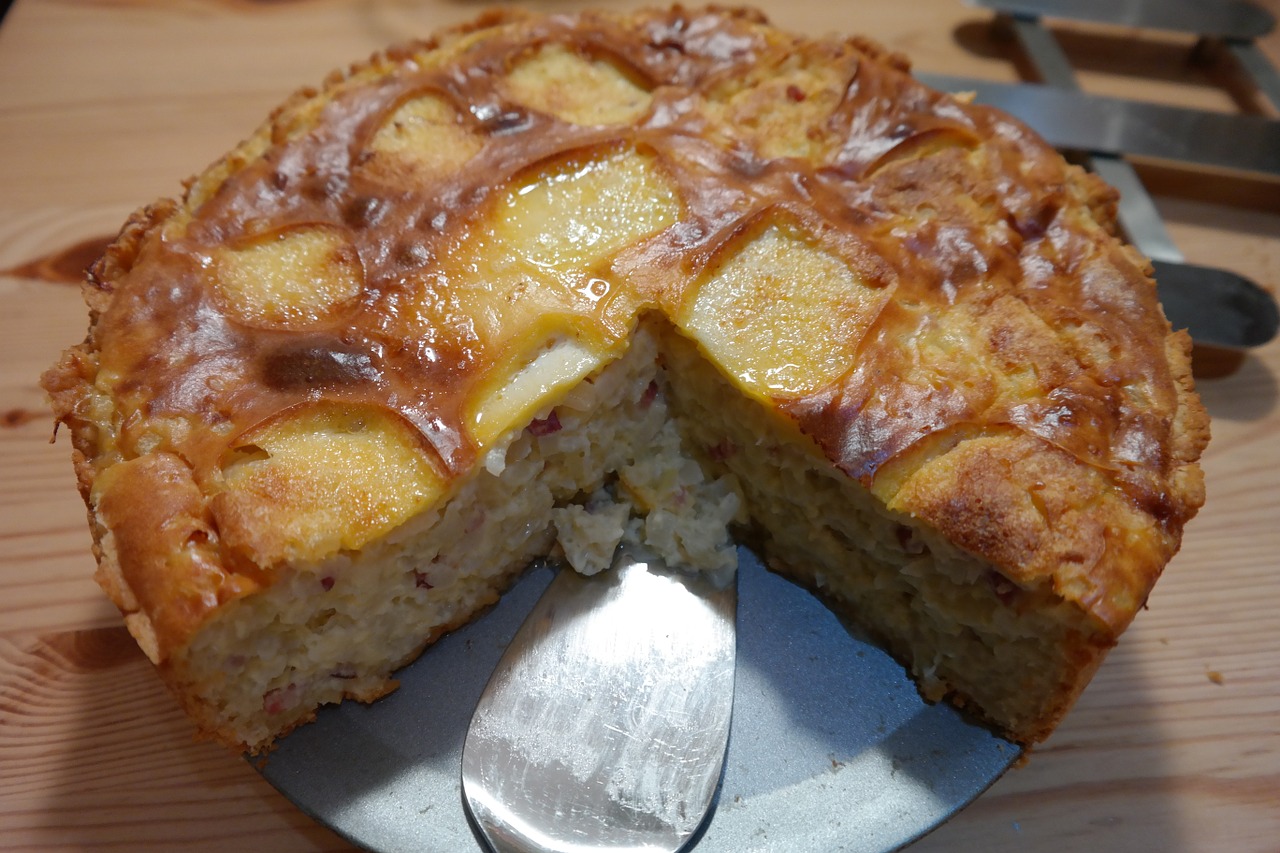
(1222,18)
(1115,126)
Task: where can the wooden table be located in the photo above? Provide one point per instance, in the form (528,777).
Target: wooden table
(103,106)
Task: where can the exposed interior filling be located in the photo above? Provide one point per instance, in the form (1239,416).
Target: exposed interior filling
(613,462)
(603,466)
(965,630)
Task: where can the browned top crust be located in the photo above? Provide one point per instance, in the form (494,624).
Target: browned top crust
(1005,372)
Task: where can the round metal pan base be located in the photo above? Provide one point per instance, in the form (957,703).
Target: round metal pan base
(831,746)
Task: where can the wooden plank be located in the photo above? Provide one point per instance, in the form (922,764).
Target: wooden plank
(1174,747)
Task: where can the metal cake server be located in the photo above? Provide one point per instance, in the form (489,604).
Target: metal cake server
(605,724)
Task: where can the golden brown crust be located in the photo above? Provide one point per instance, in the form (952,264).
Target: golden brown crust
(1011,379)
(161,532)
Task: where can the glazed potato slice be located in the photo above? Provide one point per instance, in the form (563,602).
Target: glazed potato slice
(577,89)
(424,138)
(780,314)
(562,224)
(541,277)
(526,382)
(323,477)
(293,278)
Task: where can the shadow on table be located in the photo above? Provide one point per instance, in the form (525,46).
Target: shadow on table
(1246,394)
(1100,783)
(124,768)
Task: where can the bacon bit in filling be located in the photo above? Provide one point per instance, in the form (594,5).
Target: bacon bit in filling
(722,450)
(650,394)
(280,699)
(1005,589)
(545,426)
(908,541)
(795,93)
(327,583)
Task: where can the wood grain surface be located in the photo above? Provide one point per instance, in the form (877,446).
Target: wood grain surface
(107,105)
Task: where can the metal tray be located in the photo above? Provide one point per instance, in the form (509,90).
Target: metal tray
(831,746)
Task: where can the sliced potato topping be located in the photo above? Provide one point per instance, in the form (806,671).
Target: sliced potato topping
(294,278)
(566,222)
(423,138)
(515,393)
(576,89)
(322,478)
(537,277)
(781,315)
(779,109)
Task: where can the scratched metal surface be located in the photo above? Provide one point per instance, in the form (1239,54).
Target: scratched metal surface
(831,747)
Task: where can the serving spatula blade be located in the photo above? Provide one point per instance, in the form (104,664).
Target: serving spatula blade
(605,724)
